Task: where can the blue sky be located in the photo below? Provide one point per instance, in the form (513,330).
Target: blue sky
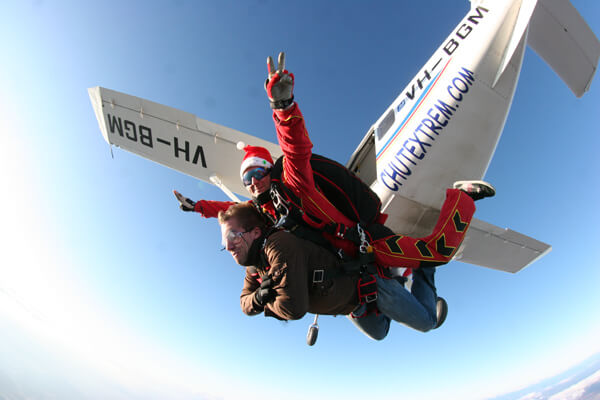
(108,290)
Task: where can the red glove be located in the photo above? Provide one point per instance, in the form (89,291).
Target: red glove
(279,84)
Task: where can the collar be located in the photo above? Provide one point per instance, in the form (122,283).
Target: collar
(262,198)
(256,257)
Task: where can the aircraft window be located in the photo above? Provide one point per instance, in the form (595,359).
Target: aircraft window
(386,124)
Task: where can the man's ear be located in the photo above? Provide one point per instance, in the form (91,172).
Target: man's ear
(255,233)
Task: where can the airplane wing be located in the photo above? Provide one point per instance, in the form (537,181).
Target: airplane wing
(174,138)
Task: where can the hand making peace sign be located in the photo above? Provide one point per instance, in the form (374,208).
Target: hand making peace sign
(279,84)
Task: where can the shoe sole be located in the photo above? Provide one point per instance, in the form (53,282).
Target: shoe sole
(441,311)
(484,188)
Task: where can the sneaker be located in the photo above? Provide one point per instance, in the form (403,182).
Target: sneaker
(441,310)
(477,190)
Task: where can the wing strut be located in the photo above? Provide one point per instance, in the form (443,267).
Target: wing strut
(216,180)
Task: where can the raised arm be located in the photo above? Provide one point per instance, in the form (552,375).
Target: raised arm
(289,124)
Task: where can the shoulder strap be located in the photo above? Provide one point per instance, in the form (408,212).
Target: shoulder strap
(270,220)
(277,169)
(284,200)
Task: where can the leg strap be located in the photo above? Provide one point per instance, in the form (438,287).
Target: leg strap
(367,288)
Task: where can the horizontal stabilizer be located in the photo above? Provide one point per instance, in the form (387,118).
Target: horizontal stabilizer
(559,35)
(499,248)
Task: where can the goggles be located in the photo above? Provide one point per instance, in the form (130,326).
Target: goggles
(256,173)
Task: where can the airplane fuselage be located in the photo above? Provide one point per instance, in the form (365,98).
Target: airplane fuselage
(444,126)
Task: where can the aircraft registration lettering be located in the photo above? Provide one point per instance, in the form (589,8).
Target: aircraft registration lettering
(415,146)
(464,30)
(143,135)
(449,48)
(426,77)
(130,131)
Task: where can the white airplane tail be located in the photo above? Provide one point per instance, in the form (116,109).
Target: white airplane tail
(525,9)
(432,135)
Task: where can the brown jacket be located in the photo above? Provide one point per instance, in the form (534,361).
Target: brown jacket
(291,262)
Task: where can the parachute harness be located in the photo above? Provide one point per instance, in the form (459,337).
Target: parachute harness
(280,204)
(363,264)
(364,246)
(367,284)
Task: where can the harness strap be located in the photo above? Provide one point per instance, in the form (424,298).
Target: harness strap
(364,263)
(367,294)
(342,231)
(304,232)
(367,288)
(363,266)
(263,240)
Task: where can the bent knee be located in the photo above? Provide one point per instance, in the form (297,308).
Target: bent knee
(425,327)
(377,333)
(377,336)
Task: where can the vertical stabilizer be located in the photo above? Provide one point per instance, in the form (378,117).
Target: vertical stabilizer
(525,10)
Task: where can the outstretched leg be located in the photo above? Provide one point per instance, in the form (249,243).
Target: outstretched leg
(420,308)
(439,247)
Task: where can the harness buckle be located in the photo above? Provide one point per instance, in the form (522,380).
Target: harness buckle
(367,288)
(364,246)
(370,298)
(279,203)
(318,275)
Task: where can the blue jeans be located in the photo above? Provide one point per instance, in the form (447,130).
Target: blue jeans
(415,309)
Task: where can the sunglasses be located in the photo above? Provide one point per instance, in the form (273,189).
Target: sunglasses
(231,236)
(256,173)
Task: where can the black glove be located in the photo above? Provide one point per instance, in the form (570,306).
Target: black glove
(265,293)
(279,84)
(184,203)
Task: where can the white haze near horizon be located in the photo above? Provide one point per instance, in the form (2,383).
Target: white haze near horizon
(52,333)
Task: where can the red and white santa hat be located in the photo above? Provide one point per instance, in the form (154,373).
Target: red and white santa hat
(255,157)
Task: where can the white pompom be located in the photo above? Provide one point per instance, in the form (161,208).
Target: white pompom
(240,145)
